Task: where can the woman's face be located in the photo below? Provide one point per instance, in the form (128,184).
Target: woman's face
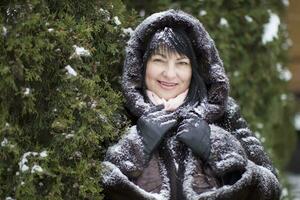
(168,74)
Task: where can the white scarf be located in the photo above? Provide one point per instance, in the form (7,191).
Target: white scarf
(171,104)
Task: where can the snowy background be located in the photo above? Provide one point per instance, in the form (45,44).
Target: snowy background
(294,180)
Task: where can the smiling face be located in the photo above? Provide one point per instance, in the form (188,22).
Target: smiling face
(168,74)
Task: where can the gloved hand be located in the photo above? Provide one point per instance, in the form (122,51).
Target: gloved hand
(153,125)
(195,133)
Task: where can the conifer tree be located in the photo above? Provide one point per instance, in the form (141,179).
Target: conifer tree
(60,104)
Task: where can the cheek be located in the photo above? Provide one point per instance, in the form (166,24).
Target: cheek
(186,75)
(151,75)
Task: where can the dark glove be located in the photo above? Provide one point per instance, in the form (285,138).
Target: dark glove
(153,125)
(195,133)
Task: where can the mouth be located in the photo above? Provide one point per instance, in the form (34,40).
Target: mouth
(167,85)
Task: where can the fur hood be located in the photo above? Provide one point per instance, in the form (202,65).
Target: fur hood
(237,168)
(206,53)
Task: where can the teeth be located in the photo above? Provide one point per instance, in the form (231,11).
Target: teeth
(167,84)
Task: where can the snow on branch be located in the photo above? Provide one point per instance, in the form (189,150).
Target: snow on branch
(80,52)
(117,21)
(70,70)
(297,121)
(271,28)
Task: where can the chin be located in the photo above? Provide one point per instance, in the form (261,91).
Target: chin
(168,97)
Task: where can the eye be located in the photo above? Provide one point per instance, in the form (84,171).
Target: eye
(158,59)
(183,63)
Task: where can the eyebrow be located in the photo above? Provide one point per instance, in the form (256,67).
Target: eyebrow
(163,55)
(160,54)
(182,57)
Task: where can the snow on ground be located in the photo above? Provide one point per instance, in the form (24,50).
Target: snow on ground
(294,180)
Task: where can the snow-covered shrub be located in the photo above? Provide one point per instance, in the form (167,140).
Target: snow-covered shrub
(60,105)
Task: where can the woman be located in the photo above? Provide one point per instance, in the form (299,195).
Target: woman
(189,141)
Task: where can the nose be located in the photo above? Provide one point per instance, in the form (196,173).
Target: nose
(170,71)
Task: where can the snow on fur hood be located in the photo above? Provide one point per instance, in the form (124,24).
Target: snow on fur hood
(204,47)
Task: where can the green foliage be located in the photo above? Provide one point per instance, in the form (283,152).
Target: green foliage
(55,123)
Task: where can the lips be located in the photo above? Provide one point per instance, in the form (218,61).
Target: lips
(167,85)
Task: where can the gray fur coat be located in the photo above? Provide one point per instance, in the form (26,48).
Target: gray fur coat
(174,172)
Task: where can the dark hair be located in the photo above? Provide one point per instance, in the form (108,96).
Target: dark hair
(169,40)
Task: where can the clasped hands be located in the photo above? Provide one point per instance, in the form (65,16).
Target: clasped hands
(196,134)
(193,131)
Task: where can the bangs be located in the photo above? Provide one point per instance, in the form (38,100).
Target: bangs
(166,50)
(168,41)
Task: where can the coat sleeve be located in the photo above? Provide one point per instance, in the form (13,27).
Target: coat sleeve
(227,158)
(128,154)
(256,183)
(240,178)
(123,163)
(117,186)
(237,126)
(259,178)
